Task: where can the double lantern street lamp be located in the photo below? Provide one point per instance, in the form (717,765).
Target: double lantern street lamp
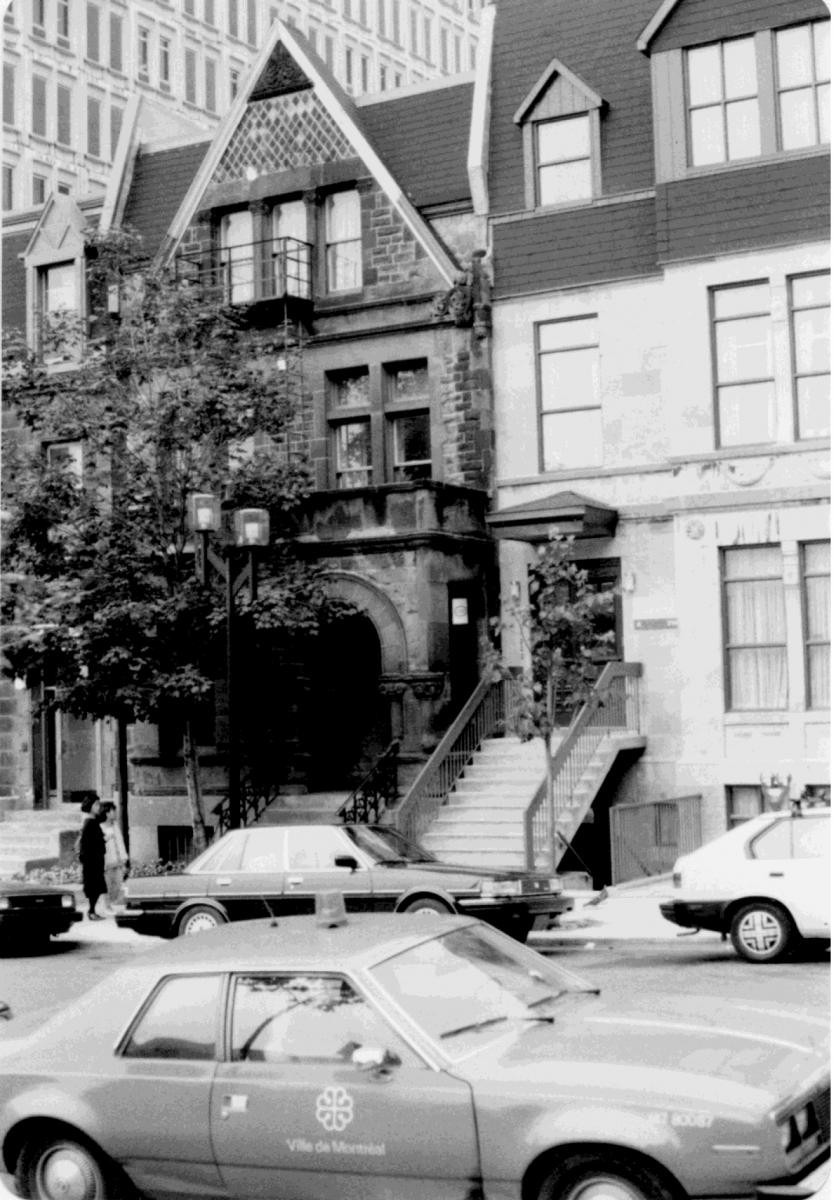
(250,532)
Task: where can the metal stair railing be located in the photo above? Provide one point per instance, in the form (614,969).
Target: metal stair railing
(487,711)
(377,790)
(612,705)
(252,804)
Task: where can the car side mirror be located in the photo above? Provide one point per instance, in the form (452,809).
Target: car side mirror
(374,1058)
(347,860)
(5,1011)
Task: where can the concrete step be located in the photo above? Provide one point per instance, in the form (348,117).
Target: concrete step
(493,860)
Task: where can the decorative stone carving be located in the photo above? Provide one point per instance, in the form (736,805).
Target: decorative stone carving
(281,74)
(428,685)
(467,300)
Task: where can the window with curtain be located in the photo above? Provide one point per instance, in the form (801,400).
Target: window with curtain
(724,120)
(810,326)
(290,249)
(343,233)
(352,453)
(236,259)
(816,599)
(755,628)
(744,372)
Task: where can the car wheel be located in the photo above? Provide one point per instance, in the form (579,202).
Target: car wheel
(761,932)
(589,1177)
(199,919)
(59,1167)
(427,905)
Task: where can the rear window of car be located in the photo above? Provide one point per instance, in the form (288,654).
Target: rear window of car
(179,1022)
(793,837)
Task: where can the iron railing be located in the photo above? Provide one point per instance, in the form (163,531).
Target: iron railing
(613,706)
(488,711)
(271,269)
(377,791)
(252,804)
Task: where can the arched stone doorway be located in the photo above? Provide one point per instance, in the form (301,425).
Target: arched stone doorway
(352,718)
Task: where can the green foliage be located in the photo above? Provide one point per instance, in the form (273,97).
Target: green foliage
(562,630)
(169,396)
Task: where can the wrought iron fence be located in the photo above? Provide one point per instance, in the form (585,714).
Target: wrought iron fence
(613,706)
(488,711)
(265,270)
(377,791)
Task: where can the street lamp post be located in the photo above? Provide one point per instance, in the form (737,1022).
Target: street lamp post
(250,530)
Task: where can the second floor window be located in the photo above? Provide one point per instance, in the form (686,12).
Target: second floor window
(116,27)
(93,33)
(570,393)
(236,250)
(64,107)
(755,628)
(724,117)
(810,317)
(352,453)
(144,54)
(94,127)
(165,63)
(342,220)
(803,64)
(191,76)
(744,382)
(563,164)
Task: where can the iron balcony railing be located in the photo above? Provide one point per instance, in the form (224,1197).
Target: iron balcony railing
(272,269)
(488,711)
(612,707)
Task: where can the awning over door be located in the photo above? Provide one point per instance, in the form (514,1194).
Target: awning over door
(562,512)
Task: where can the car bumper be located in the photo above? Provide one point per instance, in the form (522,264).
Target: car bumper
(813,1186)
(28,922)
(696,914)
(496,910)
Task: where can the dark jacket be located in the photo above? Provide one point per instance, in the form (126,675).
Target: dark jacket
(91,848)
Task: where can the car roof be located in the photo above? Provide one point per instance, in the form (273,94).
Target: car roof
(301,942)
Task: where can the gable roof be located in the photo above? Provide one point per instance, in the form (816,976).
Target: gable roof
(286,64)
(423,138)
(160,180)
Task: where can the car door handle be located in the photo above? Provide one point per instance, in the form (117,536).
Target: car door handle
(223,881)
(776,874)
(233,1104)
(294,880)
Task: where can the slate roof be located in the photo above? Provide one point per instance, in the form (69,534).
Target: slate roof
(596,39)
(160,180)
(423,140)
(14,280)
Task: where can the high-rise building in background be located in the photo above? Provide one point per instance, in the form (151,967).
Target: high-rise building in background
(70,68)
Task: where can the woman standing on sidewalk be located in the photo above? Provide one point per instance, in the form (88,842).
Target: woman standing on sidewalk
(115,854)
(91,854)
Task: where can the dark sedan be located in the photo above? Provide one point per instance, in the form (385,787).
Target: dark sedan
(278,870)
(31,912)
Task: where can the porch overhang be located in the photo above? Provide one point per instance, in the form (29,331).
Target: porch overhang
(565,513)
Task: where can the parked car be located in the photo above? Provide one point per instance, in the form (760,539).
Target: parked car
(301,1057)
(278,870)
(766,883)
(31,912)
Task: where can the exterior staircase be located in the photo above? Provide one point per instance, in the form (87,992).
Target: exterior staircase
(482,822)
(32,838)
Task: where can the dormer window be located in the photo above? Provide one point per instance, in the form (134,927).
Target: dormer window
(802,56)
(724,118)
(58,297)
(560,125)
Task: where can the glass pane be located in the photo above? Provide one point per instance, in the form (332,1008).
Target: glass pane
(353,445)
(746,414)
(264,851)
(743,349)
(704,75)
(755,611)
(743,129)
(795,56)
(565,139)
(810,289)
(812,340)
(774,843)
(758,678)
(798,119)
(351,391)
(745,802)
(818,607)
(817,557)
(564,182)
(823,102)
(344,267)
(739,68)
(313,849)
(753,562)
(741,301)
(180,1022)
(558,335)
(814,406)
(707,136)
(572,439)
(290,220)
(409,383)
(821,32)
(570,379)
(811,837)
(412,438)
(343,216)
(59,284)
(819,670)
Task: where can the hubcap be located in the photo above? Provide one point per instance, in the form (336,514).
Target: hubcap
(198,923)
(425,912)
(760,932)
(67,1172)
(604,1187)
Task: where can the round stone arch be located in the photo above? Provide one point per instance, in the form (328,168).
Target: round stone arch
(381,610)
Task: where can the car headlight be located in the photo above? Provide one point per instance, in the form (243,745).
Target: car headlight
(556,884)
(5,902)
(67,900)
(501,887)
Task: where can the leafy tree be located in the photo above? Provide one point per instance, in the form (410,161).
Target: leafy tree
(561,631)
(169,395)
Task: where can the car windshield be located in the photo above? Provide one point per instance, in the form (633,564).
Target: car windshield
(386,845)
(462,986)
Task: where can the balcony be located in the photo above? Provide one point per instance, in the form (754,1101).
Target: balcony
(270,279)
